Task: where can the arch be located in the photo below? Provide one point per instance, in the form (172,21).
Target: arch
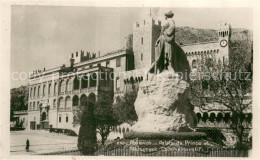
(34,91)
(219,117)
(54,103)
(119,130)
(198,116)
(49,89)
(43,90)
(75,100)
(194,63)
(124,81)
(136,79)
(31,92)
(83,100)
(67,102)
(62,86)
(127,129)
(92,97)
(212,117)
(67,88)
(205,117)
(55,87)
(123,130)
(227,117)
(61,102)
(93,80)
(44,116)
(84,81)
(76,83)
(39,88)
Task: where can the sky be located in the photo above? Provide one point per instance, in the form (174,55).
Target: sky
(45,36)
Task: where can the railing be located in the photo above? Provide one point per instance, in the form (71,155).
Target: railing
(84,90)
(114,150)
(64,109)
(76,91)
(68,92)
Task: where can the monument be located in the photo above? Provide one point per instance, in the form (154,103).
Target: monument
(166,120)
(163,101)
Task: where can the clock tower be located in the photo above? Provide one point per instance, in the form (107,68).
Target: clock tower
(223,40)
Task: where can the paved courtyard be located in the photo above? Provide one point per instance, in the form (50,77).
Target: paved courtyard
(40,142)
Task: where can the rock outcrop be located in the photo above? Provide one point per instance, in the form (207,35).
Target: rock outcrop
(163,104)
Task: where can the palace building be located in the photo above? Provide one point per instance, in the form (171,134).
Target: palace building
(55,94)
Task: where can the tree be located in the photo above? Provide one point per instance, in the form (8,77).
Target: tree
(19,99)
(104,116)
(87,139)
(229,85)
(124,107)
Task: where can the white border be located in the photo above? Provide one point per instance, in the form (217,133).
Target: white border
(5,21)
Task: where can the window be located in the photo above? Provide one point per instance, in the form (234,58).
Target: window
(33,105)
(90,66)
(49,90)
(72,55)
(60,119)
(43,91)
(37,105)
(67,119)
(98,64)
(194,64)
(39,88)
(55,86)
(142,56)
(117,83)
(107,63)
(54,103)
(142,40)
(118,62)
(76,54)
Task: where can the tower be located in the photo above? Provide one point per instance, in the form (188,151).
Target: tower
(145,34)
(224,40)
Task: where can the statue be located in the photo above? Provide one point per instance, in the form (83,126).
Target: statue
(163,101)
(170,56)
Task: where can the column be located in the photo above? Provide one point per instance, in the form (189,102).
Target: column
(80,82)
(88,80)
(97,80)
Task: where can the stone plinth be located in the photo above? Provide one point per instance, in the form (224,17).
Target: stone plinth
(163,104)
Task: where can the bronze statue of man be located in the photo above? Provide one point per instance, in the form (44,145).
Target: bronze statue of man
(171,56)
(165,43)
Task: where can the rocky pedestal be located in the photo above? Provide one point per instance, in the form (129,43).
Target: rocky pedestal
(163,104)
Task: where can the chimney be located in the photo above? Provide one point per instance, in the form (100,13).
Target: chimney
(72,63)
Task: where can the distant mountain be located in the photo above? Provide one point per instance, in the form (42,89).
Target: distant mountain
(189,35)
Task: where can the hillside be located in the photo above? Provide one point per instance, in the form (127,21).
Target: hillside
(188,35)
